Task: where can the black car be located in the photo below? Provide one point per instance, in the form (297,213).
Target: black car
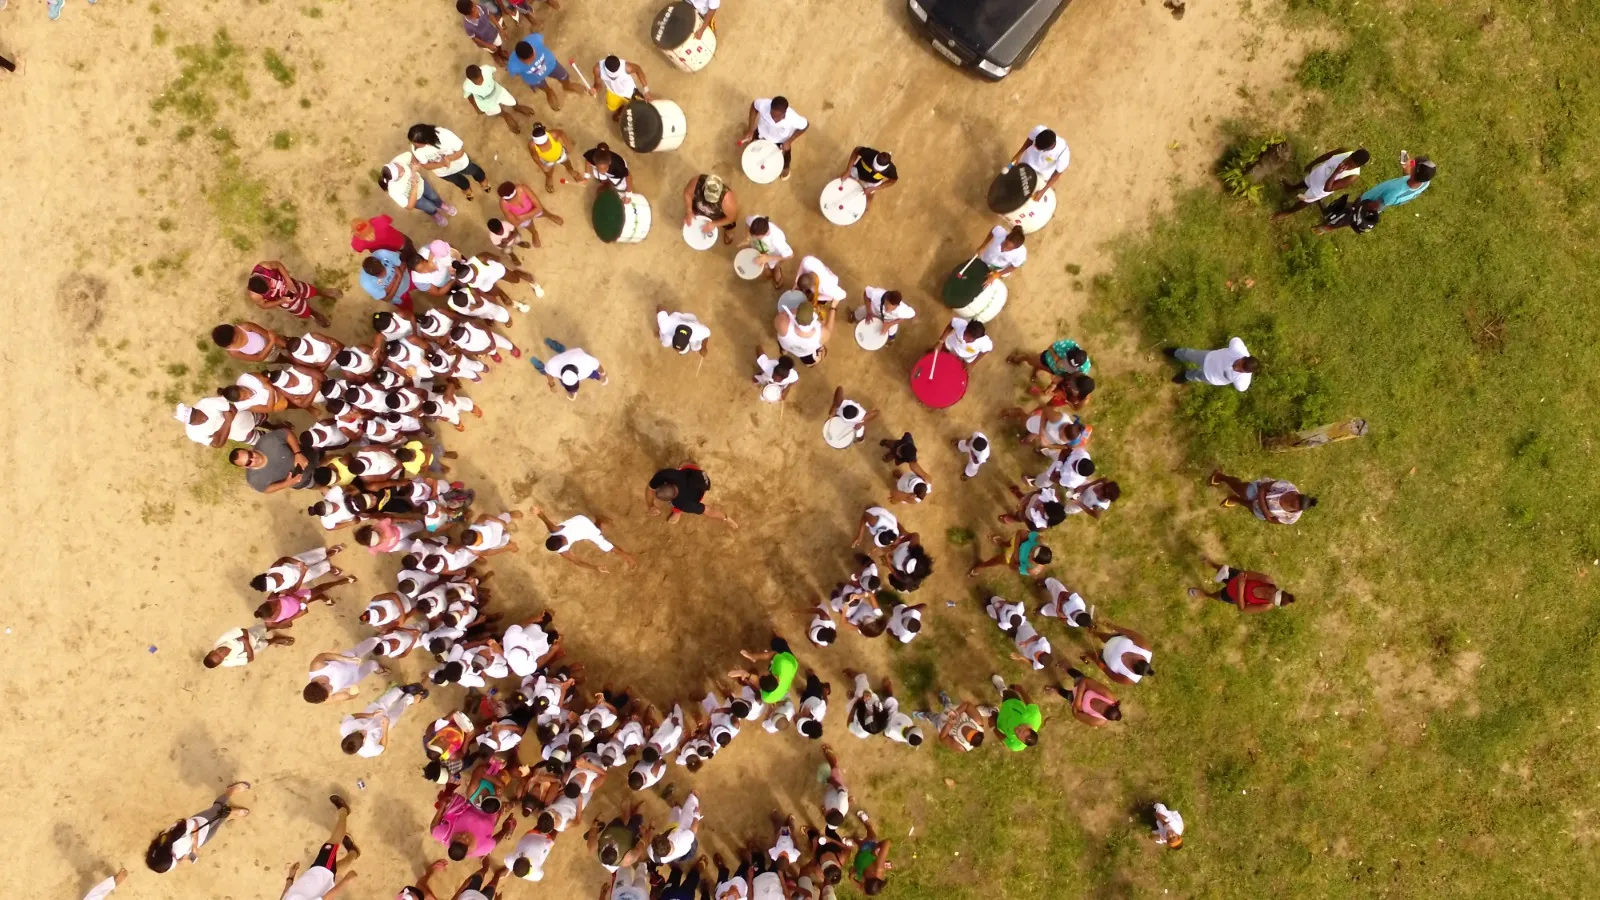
(992,36)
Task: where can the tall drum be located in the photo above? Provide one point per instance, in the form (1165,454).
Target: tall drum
(1035,214)
(1011,189)
(673,32)
(970,295)
(620,219)
(653,126)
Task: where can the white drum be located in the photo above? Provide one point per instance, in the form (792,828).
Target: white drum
(844,201)
(635,219)
(762,161)
(791,300)
(745,265)
(674,127)
(839,433)
(700,233)
(1035,214)
(678,43)
(771,393)
(871,335)
(987,304)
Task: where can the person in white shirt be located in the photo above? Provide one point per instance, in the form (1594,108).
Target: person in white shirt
(526,860)
(1046,154)
(321,881)
(568,368)
(620,80)
(818,282)
(909,487)
(773,120)
(1067,605)
(213,422)
(1169,827)
(775,376)
(1125,655)
(977,448)
(678,840)
(183,840)
(1325,176)
(569,534)
(1232,364)
(769,241)
(366,733)
(1094,498)
(851,413)
(905,621)
(682,332)
(336,676)
(967,339)
(1003,251)
(440,151)
(708,14)
(885,307)
(813,706)
(240,646)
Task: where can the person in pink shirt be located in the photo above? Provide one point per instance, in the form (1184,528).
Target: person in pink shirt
(467,829)
(281,609)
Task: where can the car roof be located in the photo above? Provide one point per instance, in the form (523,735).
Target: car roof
(999,29)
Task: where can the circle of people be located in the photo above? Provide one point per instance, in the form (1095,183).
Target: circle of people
(544,748)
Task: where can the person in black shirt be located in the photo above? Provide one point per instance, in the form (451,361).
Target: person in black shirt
(874,169)
(684,488)
(608,167)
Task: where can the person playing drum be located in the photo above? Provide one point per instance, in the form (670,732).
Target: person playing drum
(1045,153)
(708,15)
(548,147)
(818,282)
(608,167)
(621,80)
(773,120)
(804,331)
(1003,252)
(966,339)
(768,240)
(873,169)
(710,197)
(885,307)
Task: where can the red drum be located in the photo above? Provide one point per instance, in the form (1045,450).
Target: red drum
(939,380)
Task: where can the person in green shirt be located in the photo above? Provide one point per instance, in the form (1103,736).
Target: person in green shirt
(1018,720)
(782,665)
(871,865)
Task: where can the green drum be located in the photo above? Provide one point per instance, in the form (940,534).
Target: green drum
(966,294)
(607,215)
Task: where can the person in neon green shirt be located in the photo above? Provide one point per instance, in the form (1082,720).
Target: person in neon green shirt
(782,665)
(1018,720)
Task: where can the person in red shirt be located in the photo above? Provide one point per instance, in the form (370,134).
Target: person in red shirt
(379,233)
(1251,592)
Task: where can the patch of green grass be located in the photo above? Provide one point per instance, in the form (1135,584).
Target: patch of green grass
(282,140)
(280,71)
(311,12)
(246,207)
(157,513)
(165,224)
(208,70)
(158,36)
(959,537)
(1323,69)
(177,370)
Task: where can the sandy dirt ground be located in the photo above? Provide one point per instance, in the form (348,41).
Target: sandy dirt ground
(131,546)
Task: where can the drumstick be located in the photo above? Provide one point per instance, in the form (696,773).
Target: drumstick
(700,366)
(934,366)
(579,72)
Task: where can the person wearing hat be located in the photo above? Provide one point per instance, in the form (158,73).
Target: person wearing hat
(769,241)
(684,488)
(569,367)
(535,64)
(682,332)
(548,147)
(803,332)
(609,168)
(1325,176)
(1418,177)
(574,531)
(402,180)
(873,169)
(491,98)
(773,120)
(1046,154)
(621,80)
(710,197)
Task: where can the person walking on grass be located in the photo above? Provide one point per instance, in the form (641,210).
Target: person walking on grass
(1092,702)
(1251,592)
(1023,550)
(403,181)
(1325,176)
(1018,719)
(871,866)
(321,881)
(483,29)
(521,206)
(565,537)
(1169,827)
(441,151)
(1271,499)
(272,287)
(1418,177)
(491,98)
(1124,654)
(533,62)
(773,120)
(684,489)
(1232,364)
(569,368)
(184,839)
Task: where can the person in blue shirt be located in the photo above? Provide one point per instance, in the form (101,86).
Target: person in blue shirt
(1396,191)
(533,62)
(385,278)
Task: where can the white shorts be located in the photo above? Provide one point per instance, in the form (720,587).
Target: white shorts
(495,102)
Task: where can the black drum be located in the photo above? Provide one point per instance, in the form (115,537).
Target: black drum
(641,125)
(1012,189)
(674,25)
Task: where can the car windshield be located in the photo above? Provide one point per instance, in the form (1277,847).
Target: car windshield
(999,29)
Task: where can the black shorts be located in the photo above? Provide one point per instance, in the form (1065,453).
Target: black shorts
(814,687)
(475,883)
(327,858)
(809,360)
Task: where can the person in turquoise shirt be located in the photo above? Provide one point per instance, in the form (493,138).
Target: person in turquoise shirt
(1398,191)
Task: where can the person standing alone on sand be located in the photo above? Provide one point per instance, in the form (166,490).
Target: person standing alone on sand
(684,488)
(321,881)
(185,838)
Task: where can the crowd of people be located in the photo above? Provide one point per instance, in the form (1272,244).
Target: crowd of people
(530,741)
